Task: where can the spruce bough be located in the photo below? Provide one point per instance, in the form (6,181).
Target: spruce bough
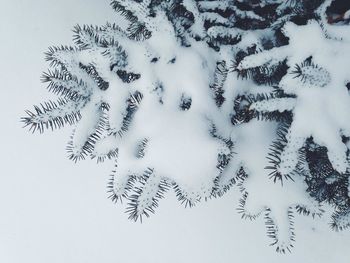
(201,96)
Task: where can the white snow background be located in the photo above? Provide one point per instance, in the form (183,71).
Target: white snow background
(55,211)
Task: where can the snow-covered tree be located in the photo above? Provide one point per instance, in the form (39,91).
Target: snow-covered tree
(197,96)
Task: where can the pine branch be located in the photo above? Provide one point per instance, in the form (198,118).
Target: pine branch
(120,186)
(276,150)
(282,246)
(311,74)
(341,219)
(52,115)
(82,144)
(220,77)
(64,85)
(146,195)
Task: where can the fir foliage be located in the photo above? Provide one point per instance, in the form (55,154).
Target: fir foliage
(112,87)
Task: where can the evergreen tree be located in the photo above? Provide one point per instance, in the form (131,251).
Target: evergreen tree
(197,96)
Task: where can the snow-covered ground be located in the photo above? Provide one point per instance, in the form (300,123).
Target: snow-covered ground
(53,210)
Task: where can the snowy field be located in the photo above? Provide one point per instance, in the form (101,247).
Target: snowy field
(55,211)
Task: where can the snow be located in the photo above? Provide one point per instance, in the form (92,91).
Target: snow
(54,211)
(347,15)
(262,195)
(324,118)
